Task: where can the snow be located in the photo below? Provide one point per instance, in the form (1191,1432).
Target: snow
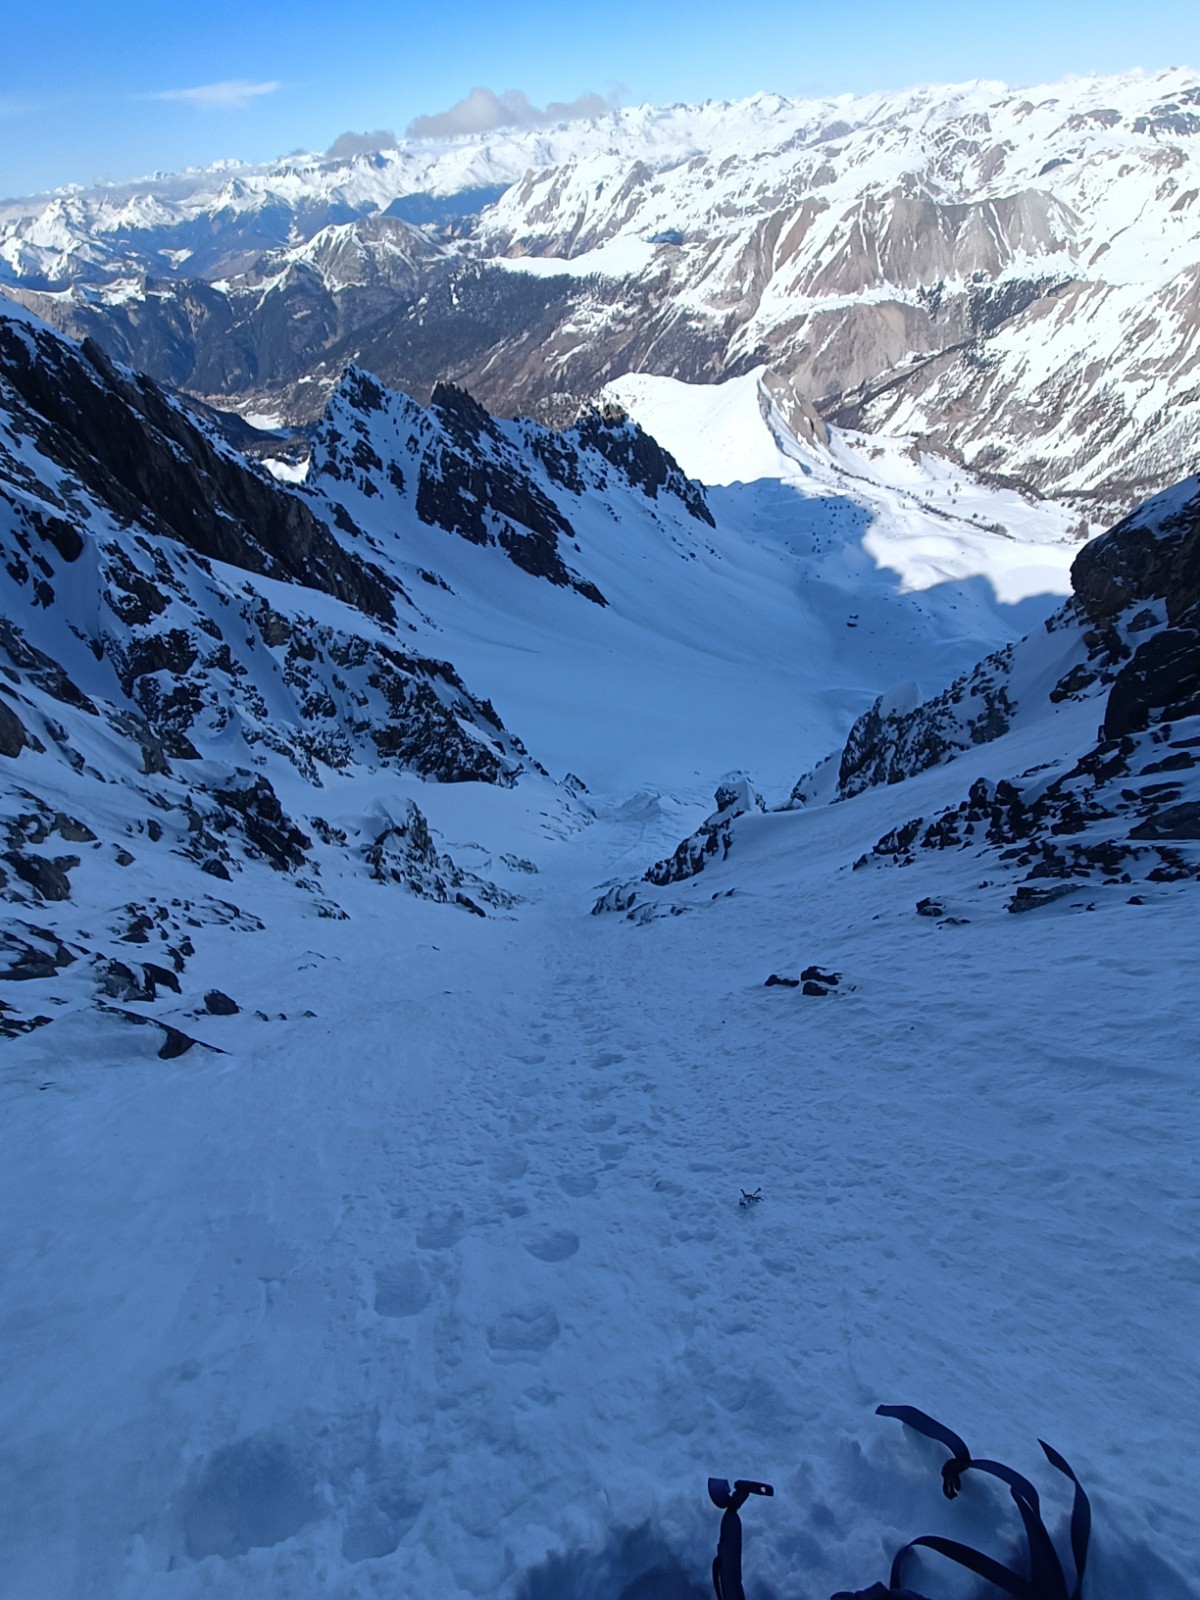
(900,699)
(929,522)
(618,259)
(435,1282)
(452,1276)
(284,471)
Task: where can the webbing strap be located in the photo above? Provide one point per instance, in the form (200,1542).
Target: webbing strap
(984,1566)
(727,1568)
(1046,1580)
(1045,1569)
(1016,1481)
(1081,1516)
(922,1422)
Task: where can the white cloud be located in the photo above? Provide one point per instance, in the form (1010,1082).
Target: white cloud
(484,109)
(361,144)
(233,95)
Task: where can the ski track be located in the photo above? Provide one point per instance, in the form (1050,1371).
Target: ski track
(409,1296)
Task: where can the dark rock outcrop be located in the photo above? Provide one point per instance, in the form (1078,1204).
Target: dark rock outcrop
(403,852)
(146,458)
(1154,553)
(13,737)
(30,952)
(46,876)
(641,460)
(1161,682)
(885,746)
(712,840)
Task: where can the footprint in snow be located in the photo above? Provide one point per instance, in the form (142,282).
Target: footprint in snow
(375,1527)
(248,1495)
(506,1164)
(577,1184)
(523,1334)
(401,1291)
(442,1232)
(559,1244)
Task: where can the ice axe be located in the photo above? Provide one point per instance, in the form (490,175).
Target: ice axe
(727,1565)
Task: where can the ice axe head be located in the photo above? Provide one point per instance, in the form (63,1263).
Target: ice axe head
(726,1499)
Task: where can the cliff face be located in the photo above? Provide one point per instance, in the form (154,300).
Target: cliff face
(140,454)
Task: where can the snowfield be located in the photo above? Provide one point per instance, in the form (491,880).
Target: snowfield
(435,1281)
(450,1279)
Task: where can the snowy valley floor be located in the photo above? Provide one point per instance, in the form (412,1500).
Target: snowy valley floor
(445,1291)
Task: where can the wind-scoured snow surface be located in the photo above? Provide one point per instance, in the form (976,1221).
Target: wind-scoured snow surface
(436,1281)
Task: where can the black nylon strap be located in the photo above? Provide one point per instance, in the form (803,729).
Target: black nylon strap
(727,1568)
(1081,1516)
(1046,1580)
(1045,1569)
(974,1560)
(922,1422)
(1016,1481)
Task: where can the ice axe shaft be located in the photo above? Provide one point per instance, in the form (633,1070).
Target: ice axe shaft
(727,1566)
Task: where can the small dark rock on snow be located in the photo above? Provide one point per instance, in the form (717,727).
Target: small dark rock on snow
(1028,898)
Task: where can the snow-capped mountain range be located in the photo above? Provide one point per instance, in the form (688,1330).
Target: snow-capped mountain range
(1009,275)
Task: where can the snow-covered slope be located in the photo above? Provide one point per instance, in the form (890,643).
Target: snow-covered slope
(236,643)
(1102,701)
(1008,274)
(424,1269)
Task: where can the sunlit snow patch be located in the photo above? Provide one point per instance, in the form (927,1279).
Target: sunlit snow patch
(931,522)
(620,258)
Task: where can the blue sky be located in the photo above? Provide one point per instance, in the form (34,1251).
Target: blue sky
(113,91)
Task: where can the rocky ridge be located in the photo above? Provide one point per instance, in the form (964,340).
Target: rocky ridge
(191,652)
(202,667)
(378,457)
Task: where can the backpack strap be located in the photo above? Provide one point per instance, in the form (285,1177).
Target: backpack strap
(1046,1580)
(922,1422)
(727,1567)
(727,1564)
(994,1572)
(1081,1517)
